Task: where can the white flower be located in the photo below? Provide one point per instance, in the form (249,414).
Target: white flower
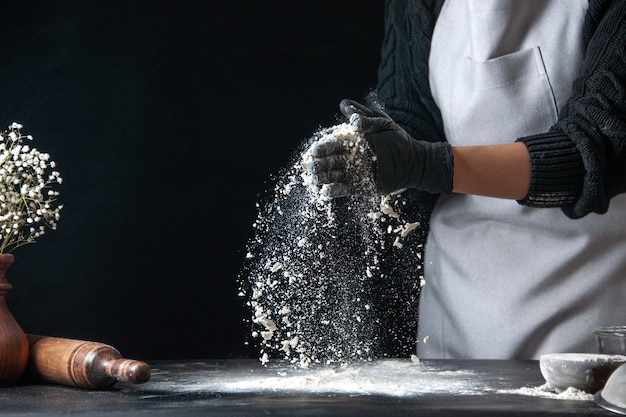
(27,195)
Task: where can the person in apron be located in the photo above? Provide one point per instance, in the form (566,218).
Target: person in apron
(514,114)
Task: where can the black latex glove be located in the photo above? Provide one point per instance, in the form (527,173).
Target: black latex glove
(342,167)
(401,161)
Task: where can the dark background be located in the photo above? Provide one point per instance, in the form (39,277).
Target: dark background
(167,120)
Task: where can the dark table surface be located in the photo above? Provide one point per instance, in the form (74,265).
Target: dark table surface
(245,388)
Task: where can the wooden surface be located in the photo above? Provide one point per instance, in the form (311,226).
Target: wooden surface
(245,388)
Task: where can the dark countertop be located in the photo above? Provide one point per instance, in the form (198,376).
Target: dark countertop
(245,388)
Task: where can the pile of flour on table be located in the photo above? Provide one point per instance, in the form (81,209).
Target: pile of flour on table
(547,391)
(332,280)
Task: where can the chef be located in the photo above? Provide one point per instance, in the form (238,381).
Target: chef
(513,114)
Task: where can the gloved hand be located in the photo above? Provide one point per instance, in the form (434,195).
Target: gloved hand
(343,167)
(401,161)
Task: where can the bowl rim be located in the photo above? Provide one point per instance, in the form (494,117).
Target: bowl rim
(616,331)
(584,357)
(599,399)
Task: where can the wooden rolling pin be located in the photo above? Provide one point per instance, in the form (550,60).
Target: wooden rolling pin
(80,363)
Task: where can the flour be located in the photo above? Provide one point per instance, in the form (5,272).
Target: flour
(374,380)
(359,161)
(393,378)
(547,391)
(333,280)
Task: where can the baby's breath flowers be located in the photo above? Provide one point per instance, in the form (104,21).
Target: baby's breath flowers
(27,198)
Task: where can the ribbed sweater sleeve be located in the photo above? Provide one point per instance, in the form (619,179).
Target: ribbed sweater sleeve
(403,86)
(580,164)
(556,170)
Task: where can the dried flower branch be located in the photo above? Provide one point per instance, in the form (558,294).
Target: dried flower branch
(27,199)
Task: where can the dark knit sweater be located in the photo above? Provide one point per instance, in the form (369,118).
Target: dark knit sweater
(580,163)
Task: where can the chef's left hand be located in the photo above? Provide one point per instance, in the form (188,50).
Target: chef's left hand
(401,160)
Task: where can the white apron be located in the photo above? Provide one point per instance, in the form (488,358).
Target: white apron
(505,280)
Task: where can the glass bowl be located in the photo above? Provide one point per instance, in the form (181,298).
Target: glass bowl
(613,395)
(611,339)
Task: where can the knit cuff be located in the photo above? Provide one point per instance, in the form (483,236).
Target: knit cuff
(556,170)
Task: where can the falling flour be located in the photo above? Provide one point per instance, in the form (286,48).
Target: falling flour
(333,280)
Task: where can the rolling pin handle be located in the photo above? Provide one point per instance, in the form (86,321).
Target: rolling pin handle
(128,370)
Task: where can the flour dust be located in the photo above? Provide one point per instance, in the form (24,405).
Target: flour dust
(333,280)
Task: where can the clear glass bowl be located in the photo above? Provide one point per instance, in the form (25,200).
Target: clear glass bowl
(611,339)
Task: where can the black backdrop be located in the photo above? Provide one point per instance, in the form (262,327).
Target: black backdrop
(167,119)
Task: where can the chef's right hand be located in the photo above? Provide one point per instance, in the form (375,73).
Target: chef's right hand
(330,169)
